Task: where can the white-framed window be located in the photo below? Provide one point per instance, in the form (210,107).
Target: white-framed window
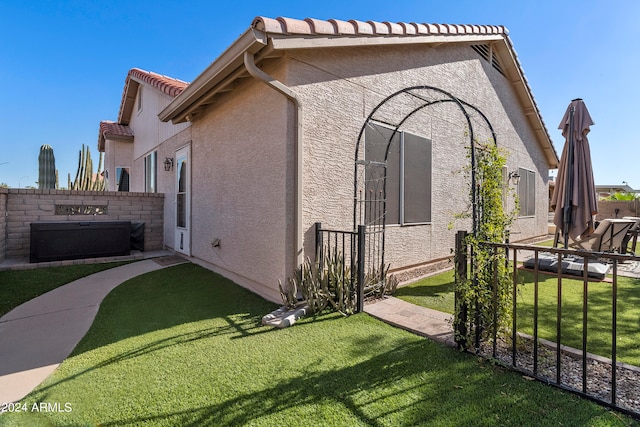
(151,172)
(139,98)
(408,173)
(527,192)
(123,175)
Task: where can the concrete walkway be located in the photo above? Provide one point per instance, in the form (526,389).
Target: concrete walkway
(426,322)
(38,335)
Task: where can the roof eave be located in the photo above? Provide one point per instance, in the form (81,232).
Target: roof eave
(112,137)
(182,105)
(524,92)
(230,63)
(128,99)
(284,41)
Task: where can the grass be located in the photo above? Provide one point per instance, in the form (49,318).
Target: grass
(184,346)
(437,292)
(19,286)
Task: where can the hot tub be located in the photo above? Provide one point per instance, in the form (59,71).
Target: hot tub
(55,241)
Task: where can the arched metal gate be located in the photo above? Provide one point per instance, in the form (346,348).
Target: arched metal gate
(382,130)
(361,251)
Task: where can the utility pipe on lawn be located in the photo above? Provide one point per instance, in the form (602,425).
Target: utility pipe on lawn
(249,63)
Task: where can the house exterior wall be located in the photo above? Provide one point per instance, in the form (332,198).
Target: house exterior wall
(242,187)
(166,180)
(24,206)
(149,133)
(340,87)
(243,156)
(116,154)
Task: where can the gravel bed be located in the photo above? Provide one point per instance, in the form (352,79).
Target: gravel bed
(599,370)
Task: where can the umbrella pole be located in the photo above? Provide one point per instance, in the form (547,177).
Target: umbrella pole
(568,196)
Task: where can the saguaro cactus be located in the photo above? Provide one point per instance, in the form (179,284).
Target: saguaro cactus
(85,178)
(46,168)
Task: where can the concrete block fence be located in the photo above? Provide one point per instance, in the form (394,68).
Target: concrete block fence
(617,209)
(20,207)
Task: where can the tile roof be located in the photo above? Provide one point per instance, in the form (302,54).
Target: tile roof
(335,27)
(167,85)
(266,37)
(111,129)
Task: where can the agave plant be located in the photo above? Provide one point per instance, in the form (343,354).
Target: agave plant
(334,285)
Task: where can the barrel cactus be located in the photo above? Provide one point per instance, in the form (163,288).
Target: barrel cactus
(46,168)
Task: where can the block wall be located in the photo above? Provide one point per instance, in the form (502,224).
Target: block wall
(24,206)
(607,209)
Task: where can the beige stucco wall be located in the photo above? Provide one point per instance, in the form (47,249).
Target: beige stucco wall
(242,159)
(337,100)
(243,164)
(148,130)
(149,134)
(166,180)
(117,154)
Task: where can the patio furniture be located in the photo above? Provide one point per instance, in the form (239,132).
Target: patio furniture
(632,235)
(607,237)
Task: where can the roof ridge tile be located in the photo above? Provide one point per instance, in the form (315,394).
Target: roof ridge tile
(394,28)
(336,27)
(343,27)
(362,28)
(379,28)
(319,26)
(295,26)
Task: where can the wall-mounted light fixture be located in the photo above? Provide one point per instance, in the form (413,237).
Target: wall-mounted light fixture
(168,164)
(514,177)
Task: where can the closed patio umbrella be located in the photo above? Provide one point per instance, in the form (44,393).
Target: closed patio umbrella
(574,198)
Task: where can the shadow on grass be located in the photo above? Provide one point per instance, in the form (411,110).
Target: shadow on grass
(137,312)
(426,291)
(170,297)
(455,390)
(410,382)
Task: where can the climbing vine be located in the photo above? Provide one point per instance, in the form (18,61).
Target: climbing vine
(484,297)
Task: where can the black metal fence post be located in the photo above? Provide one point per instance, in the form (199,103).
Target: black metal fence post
(362,229)
(319,260)
(460,325)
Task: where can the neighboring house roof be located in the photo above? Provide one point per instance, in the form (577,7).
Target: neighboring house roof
(625,188)
(120,129)
(113,130)
(268,38)
(167,85)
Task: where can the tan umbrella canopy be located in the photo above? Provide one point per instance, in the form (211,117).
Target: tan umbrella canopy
(574,197)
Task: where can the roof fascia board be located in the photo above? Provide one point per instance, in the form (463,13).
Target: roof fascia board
(522,88)
(251,41)
(289,42)
(114,137)
(131,90)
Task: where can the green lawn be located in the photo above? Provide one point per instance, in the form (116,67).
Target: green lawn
(19,286)
(184,346)
(437,292)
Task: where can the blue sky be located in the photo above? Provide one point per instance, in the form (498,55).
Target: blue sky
(63,64)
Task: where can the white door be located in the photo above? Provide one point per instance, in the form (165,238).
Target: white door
(183,200)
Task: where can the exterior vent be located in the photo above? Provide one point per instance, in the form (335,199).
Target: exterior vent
(485,51)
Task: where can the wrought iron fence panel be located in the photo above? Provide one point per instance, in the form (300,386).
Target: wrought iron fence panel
(554,359)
